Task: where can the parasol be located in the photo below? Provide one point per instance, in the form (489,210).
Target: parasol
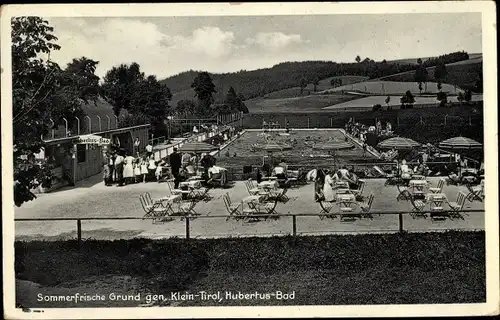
(398,143)
(460,143)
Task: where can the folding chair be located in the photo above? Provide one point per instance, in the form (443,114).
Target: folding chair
(326,207)
(436,207)
(457,206)
(439,187)
(187,208)
(359,191)
(253,191)
(202,194)
(232,209)
(476,193)
(418,207)
(153,211)
(270,207)
(404,194)
(280,196)
(366,207)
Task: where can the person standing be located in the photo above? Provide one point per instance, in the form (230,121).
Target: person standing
(149,150)
(119,169)
(128,169)
(175,164)
(137,144)
(105,169)
(67,169)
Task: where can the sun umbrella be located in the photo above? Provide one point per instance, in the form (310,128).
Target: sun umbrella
(460,143)
(398,143)
(197,147)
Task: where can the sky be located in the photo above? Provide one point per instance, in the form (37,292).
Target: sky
(166,46)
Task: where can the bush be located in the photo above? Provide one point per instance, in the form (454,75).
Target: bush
(377,107)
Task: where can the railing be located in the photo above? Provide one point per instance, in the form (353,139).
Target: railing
(293,216)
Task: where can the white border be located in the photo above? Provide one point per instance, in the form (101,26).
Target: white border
(487,8)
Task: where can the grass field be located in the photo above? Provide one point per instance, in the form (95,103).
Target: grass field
(302,152)
(367,103)
(300,104)
(328,270)
(394,88)
(323,85)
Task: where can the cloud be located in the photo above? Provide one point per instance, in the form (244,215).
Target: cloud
(274,40)
(210,41)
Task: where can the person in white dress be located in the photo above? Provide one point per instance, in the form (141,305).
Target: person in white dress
(327,187)
(128,169)
(137,169)
(144,168)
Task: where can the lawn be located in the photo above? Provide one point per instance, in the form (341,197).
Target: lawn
(298,104)
(394,88)
(323,85)
(367,103)
(409,268)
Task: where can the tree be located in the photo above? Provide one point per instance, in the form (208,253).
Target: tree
(83,71)
(358,59)
(231,99)
(241,106)
(407,100)
(151,99)
(41,91)
(440,73)
(315,82)
(387,100)
(420,75)
(120,85)
(185,108)
(442,98)
(205,89)
(303,84)
(460,97)
(468,96)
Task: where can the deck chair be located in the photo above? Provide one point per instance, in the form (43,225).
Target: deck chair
(270,207)
(202,194)
(476,193)
(439,187)
(457,206)
(152,211)
(281,196)
(174,191)
(366,207)
(418,207)
(326,208)
(232,209)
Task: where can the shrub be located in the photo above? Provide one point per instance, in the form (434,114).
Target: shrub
(377,107)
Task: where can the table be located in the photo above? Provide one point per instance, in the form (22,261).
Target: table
(342,184)
(252,202)
(346,200)
(417,187)
(194,178)
(270,184)
(418,177)
(193,184)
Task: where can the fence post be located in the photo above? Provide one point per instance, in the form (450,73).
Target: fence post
(331,122)
(100,125)
(445,118)
(401,222)
(90,124)
(470,121)
(307,122)
(397,119)
(77,125)
(187,227)
(294,225)
(79,231)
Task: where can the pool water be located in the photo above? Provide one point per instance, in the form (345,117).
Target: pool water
(248,148)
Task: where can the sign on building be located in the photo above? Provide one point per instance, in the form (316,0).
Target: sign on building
(93,139)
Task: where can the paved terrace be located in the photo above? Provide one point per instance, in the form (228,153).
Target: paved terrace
(90,198)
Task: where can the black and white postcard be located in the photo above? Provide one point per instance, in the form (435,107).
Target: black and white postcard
(250,160)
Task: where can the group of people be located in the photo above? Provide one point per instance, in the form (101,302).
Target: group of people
(325,182)
(123,168)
